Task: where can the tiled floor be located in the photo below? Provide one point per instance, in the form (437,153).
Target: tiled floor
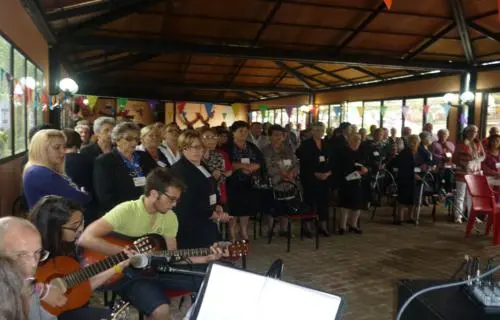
(365,268)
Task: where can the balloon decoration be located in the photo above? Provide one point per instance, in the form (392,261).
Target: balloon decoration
(463,119)
(152,104)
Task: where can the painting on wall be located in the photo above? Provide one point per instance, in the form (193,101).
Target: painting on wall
(199,114)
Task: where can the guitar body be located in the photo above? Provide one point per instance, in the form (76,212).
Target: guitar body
(156,241)
(52,271)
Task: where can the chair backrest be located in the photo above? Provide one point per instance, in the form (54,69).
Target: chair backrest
(478,186)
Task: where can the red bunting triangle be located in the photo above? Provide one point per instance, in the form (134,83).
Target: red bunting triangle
(388,4)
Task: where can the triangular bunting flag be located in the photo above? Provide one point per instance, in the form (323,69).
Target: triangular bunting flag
(388,4)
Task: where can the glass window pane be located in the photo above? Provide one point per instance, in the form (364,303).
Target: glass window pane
(302,119)
(493,118)
(277,116)
(5,125)
(259,116)
(393,117)
(371,114)
(415,118)
(30,89)
(270,114)
(335,115)
(19,102)
(39,89)
(323,114)
(436,113)
(355,113)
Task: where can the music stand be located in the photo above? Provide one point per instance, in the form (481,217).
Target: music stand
(228,292)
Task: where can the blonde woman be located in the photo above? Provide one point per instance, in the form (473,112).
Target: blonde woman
(44,173)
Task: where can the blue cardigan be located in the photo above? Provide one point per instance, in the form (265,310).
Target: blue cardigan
(39,181)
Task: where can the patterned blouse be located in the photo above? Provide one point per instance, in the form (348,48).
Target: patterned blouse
(280,160)
(215,162)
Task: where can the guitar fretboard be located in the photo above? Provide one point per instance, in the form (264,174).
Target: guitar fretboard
(184,253)
(89,271)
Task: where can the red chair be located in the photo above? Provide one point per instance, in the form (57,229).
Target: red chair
(483,201)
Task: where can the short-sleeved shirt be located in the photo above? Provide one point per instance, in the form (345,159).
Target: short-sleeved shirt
(131,219)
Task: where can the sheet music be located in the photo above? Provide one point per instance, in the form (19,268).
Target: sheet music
(230,291)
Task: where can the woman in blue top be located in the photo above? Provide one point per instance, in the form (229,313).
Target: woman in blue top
(44,173)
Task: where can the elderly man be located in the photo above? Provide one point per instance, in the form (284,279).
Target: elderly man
(21,241)
(102,129)
(442,149)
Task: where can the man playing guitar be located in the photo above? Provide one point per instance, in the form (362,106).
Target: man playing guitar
(151,213)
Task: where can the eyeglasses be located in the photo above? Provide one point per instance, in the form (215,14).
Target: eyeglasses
(74,229)
(196,148)
(39,255)
(172,199)
(131,138)
(210,137)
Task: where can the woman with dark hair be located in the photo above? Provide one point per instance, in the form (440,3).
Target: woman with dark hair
(248,169)
(60,223)
(13,296)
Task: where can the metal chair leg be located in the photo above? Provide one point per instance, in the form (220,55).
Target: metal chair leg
(289,235)
(316,222)
(271,231)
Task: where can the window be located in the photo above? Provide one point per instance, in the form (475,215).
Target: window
(302,119)
(415,119)
(323,114)
(270,116)
(258,118)
(19,102)
(335,115)
(277,116)
(5,124)
(30,85)
(355,113)
(436,114)
(371,114)
(253,116)
(21,85)
(393,117)
(493,118)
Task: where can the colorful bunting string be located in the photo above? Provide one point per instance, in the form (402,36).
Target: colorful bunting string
(388,4)
(122,103)
(224,115)
(209,108)
(360,111)
(92,101)
(180,106)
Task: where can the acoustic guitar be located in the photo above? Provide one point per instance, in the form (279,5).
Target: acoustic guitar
(120,310)
(67,274)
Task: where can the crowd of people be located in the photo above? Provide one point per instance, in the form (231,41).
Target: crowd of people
(105,177)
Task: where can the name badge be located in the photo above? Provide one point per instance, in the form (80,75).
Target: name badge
(376,153)
(245,160)
(139,181)
(353,176)
(287,162)
(417,170)
(448,154)
(322,159)
(161,164)
(212,199)
(497,165)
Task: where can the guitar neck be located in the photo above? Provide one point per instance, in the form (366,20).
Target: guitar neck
(185,253)
(88,272)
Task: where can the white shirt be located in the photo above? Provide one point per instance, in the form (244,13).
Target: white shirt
(167,152)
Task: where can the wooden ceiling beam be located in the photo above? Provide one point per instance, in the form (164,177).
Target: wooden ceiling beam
(463,30)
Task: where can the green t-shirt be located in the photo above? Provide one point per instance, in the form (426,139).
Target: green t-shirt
(131,219)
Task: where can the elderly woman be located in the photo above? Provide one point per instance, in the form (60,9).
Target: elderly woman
(102,131)
(468,157)
(199,209)
(83,130)
(424,156)
(282,165)
(351,168)
(248,167)
(442,149)
(169,146)
(45,173)
(315,174)
(150,143)
(120,175)
(406,179)
(217,161)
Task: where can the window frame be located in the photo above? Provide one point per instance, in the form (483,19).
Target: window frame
(14,47)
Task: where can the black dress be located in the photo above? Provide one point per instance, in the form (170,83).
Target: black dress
(114,181)
(243,197)
(312,159)
(196,229)
(351,193)
(92,151)
(405,164)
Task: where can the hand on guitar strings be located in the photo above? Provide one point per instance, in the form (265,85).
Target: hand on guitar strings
(55,296)
(130,253)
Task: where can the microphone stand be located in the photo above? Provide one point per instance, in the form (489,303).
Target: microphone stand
(168,268)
